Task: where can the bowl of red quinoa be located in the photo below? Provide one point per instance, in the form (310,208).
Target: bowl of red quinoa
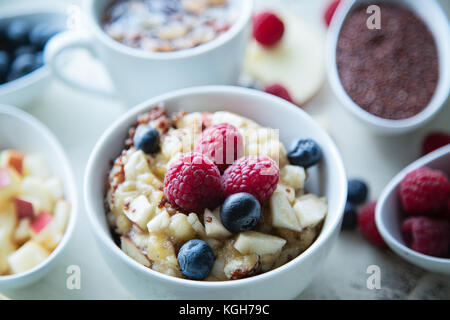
(389,62)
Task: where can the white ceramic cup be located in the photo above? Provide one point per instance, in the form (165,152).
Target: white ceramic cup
(137,75)
(327,179)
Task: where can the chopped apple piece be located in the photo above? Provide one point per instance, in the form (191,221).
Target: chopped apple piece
(134,252)
(35,165)
(159,223)
(9,184)
(196,224)
(12,159)
(54,187)
(27,257)
(24,208)
(213,226)
(180,229)
(293,176)
(137,164)
(255,242)
(161,249)
(22,233)
(8,218)
(41,222)
(283,214)
(61,215)
(310,210)
(7,247)
(32,187)
(140,211)
(49,237)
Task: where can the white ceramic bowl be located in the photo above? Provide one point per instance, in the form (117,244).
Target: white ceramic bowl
(24,90)
(286,282)
(21,131)
(434,17)
(388,213)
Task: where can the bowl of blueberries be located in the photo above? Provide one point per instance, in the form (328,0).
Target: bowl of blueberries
(23,37)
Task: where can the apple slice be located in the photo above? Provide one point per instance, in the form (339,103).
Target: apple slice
(196,224)
(134,252)
(159,223)
(24,208)
(310,210)
(12,159)
(9,184)
(136,165)
(180,229)
(256,242)
(54,187)
(33,187)
(22,233)
(35,165)
(30,255)
(61,215)
(7,247)
(293,176)
(140,211)
(8,218)
(41,222)
(213,226)
(283,214)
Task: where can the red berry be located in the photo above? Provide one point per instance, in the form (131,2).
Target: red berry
(279,91)
(435,140)
(366,223)
(268,29)
(330,10)
(425,191)
(427,236)
(257,175)
(222,143)
(193,183)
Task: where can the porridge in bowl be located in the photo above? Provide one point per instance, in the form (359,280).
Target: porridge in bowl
(167,25)
(212,196)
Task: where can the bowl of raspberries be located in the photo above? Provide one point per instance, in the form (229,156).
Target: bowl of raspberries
(413,213)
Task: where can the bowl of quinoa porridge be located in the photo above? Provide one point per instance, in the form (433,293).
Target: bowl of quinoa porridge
(179,219)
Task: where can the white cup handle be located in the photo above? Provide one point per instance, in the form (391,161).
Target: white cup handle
(67,41)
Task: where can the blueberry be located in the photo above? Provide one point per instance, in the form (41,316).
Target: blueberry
(17,31)
(350,220)
(146,139)
(41,33)
(304,153)
(24,49)
(21,66)
(240,212)
(196,259)
(357,191)
(39,59)
(4,65)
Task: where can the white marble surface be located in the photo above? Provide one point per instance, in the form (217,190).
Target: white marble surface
(79,119)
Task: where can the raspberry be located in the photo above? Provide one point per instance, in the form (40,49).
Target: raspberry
(330,10)
(268,29)
(435,140)
(222,143)
(193,183)
(425,191)
(279,91)
(366,223)
(257,175)
(427,236)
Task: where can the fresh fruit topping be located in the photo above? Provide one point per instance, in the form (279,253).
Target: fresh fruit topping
(350,221)
(240,212)
(17,31)
(257,175)
(251,242)
(425,191)
(24,209)
(279,91)
(366,223)
(434,141)
(41,33)
(30,255)
(268,29)
(146,139)
(193,183)
(304,153)
(196,259)
(330,10)
(357,191)
(15,160)
(427,236)
(222,143)
(41,222)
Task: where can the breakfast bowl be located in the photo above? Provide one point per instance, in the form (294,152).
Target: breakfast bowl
(388,213)
(435,19)
(285,282)
(22,132)
(23,89)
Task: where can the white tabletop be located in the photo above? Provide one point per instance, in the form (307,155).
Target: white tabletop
(78,120)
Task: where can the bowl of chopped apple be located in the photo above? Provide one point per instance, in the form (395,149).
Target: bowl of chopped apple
(210,196)
(38,199)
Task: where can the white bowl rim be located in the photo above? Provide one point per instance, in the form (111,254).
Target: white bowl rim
(437,101)
(245,15)
(384,231)
(43,71)
(107,241)
(70,185)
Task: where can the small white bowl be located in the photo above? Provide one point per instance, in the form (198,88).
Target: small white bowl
(327,179)
(24,90)
(19,130)
(388,213)
(434,17)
